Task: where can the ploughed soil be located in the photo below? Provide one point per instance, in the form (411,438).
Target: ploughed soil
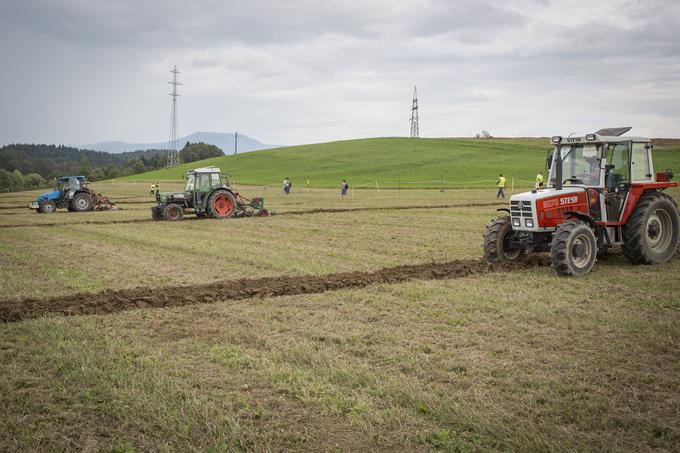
(301,212)
(112,301)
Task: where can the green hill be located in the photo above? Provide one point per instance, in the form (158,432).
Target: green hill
(393,162)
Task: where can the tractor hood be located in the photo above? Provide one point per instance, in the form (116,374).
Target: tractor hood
(543,210)
(52,196)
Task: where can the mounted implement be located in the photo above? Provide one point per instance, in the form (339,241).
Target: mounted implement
(602,192)
(207,193)
(73,193)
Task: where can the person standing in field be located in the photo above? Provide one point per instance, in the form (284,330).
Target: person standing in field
(309,184)
(343,188)
(152,189)
(158,188)
(501,186)
(539,180)
(287,185)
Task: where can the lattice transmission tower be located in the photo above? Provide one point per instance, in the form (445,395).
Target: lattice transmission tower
(173,152)
(415,130)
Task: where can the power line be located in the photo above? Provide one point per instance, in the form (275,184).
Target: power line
(173,152)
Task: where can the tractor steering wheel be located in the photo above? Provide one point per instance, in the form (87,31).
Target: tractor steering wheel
(573,180)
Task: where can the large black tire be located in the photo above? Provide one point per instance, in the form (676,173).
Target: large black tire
(221,204)
(573,248)
(495,248)
(156,214)
(81,202)
(173,212)
(650,236)
(47,207)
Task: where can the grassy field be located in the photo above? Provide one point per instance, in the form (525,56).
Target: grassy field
(395,162)
(521,360)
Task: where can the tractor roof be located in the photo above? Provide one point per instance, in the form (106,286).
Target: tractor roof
(608,135)
(205,170)
(79,178)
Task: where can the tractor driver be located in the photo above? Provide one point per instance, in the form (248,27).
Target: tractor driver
(592,177)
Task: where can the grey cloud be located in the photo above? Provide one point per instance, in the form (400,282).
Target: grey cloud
(510,67)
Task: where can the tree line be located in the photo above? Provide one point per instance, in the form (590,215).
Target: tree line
(31,166)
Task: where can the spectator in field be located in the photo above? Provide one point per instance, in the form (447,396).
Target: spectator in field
(343,188)
(501,186)
(309,184)
(287,184)
(539,180)
(152,189)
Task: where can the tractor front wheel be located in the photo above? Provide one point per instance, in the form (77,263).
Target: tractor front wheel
(221,204)
(574,248)
(82,202)
(47,207)
(496,241)
(650,236)
(173,212)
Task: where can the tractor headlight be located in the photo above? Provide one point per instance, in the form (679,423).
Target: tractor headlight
(590,137)
(556,139)
(516,223)
(529,223)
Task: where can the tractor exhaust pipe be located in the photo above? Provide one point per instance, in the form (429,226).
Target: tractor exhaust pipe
(557,140)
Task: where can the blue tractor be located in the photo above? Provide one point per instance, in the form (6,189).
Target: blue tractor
(71,192)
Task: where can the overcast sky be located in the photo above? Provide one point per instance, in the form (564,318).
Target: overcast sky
(303,71)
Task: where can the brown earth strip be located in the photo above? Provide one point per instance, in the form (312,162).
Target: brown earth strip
(112,301)
(304,212)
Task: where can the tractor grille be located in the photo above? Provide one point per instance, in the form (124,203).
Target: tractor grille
(520,211)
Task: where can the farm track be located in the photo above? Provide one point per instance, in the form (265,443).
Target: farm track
(113,301)
(287,213)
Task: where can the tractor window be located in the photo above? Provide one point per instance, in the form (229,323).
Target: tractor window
(204,181)
(215,180)
(619,176)
(640,163)
(191,179)
(580,164)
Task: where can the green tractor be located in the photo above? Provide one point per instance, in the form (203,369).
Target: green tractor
(207,193)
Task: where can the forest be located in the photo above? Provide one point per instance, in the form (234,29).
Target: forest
(32,166)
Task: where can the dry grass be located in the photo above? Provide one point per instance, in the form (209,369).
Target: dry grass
(517,361)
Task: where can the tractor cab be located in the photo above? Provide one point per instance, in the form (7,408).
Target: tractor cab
(602,167)
(602,192)
(201,181)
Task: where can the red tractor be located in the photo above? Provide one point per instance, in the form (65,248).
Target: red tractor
(602,191)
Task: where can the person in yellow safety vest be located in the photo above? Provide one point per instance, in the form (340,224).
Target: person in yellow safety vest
(539,180)
(158,188)
(152,189)
(501,186)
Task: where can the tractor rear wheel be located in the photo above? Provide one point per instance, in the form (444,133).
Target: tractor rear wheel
(47,207)
(573,248)
(496,246)
(173,212)
(81,202)
(221,204)
(650,236)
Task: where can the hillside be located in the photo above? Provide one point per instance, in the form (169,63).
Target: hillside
(394,162)
(224,141)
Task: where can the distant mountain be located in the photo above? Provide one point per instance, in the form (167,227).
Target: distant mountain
(224,141)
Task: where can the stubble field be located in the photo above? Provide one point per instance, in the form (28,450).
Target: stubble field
(373,327)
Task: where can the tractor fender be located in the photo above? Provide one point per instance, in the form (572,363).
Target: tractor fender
(226,189)
(582,216)
(503,210)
